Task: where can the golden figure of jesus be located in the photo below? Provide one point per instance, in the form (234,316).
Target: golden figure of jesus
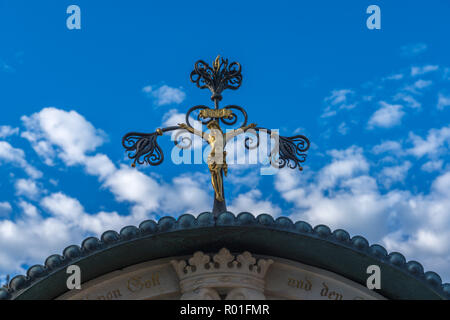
(217,157)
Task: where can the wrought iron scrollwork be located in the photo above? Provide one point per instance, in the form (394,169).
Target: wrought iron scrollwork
(218,78)
(231,121)
(285,151)
(145,146)
(195,108)
(182,140)
(291,151)
(249,142)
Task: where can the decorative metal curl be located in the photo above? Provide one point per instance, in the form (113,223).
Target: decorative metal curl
(291,151)
(182,142)
(248,141)
(199,107)
(222,76)
(234,117)
(227,121)
(143,145)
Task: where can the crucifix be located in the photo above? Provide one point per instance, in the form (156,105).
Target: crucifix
(143,147)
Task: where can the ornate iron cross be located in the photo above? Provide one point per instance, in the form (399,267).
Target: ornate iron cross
(144,148)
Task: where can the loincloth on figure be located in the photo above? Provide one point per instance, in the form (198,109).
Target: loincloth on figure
(216,163)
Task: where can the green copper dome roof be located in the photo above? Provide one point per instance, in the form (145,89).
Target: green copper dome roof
(320,247)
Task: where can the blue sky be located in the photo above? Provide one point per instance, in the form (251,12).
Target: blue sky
(374,103)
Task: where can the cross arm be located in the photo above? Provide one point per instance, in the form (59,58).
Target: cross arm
(144,148)
(290,151)
(234,133)
(192,130)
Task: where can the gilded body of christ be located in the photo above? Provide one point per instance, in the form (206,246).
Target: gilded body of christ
(217,157)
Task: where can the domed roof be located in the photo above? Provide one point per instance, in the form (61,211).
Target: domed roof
(335,251)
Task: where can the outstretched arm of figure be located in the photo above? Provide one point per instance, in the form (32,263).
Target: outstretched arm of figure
(199,133)
(234,133)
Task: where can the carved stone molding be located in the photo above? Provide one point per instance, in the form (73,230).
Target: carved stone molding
(284,279)
(225,275)
(201,294)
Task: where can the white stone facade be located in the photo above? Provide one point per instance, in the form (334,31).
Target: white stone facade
(223,275)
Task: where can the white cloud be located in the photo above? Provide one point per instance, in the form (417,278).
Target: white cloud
(31,238)
(14,156)
(343,128)
(164,94)
(5,209)
(35,242)
(345,164)
(432,165)
(415,71)
(131,185)
(338,96)
(240,176)
(28,209)
(418,85)
(443,101)
(388,146)
(63,206)
(416,225)
(391,175)
(340,190)
(6,131)
(286,181)
(70,211)
(436,143)
(194,194)
(173,118)
(397,76)
(410,101)
(328,112)
(99,165)
(338,100)
(442,184)
(66,134)
(252,201)
(148,195)
(27,188)
(412,50)
(387,116)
